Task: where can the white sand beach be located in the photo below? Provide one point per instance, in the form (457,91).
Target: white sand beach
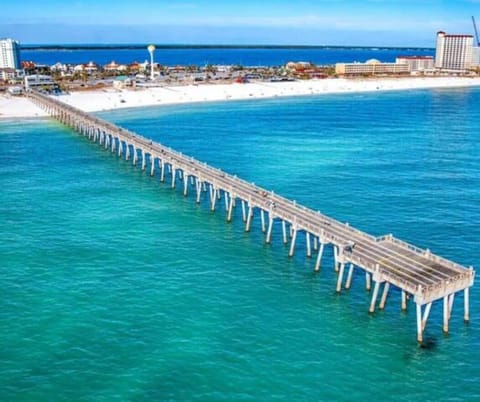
(17,107)
(109,99)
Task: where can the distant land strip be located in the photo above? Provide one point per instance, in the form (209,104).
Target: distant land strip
(160,46)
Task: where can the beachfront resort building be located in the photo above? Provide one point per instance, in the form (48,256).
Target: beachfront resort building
(476,57)
(371,67)
(10,54)
(417,64)
(453,52)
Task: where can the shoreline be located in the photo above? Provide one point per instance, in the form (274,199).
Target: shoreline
(12,108)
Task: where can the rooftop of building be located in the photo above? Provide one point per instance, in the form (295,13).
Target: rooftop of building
(416,57)
(453,35)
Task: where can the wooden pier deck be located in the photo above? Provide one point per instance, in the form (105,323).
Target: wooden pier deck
(386,260)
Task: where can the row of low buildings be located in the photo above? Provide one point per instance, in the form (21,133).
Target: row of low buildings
(403,65)
(142,70)
(92,68)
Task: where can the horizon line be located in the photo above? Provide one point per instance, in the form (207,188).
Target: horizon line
(103,46)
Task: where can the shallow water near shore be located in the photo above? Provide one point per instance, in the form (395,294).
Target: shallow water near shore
(115,287)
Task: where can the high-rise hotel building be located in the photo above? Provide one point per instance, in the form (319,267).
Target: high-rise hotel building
(454,52)
(9,54)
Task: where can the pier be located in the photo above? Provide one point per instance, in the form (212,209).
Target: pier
(385,261)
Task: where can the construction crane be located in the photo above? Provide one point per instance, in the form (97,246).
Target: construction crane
(476,31)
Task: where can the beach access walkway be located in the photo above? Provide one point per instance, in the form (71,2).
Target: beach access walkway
(386,261)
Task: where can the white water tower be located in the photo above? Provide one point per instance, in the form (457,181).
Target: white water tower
(151,49)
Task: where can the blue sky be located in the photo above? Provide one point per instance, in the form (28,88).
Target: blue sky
(295,22)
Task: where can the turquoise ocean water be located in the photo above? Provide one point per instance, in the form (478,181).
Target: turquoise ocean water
(114,287)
